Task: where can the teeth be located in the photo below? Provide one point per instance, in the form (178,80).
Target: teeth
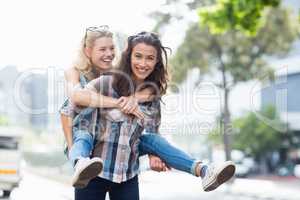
(142,70)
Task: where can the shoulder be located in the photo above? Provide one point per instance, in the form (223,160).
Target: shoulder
(102,83)
(72,73)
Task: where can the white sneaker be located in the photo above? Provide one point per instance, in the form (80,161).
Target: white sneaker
(217,174)
(85,170)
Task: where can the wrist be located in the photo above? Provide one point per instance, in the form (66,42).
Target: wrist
(115,103)
(136,97)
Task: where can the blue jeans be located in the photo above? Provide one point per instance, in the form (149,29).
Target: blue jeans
(152,143)
(83,144)
(98,187)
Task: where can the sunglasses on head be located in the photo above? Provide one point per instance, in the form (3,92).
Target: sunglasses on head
(99,29)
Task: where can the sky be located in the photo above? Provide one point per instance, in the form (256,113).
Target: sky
(46,33)
(43,33)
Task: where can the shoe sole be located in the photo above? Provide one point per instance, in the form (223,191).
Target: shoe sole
(224,175)
(84,177)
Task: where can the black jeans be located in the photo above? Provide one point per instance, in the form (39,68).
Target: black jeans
(98,187)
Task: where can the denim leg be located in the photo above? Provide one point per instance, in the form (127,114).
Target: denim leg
(152,143)
(128,190)
(82,145)
(95,190)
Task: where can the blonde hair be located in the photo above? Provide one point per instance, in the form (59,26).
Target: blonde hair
(83,63)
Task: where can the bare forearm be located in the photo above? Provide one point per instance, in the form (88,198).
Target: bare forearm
(66,123)
(90,98)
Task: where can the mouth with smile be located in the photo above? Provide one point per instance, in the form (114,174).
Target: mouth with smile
(107,60)
(142,70)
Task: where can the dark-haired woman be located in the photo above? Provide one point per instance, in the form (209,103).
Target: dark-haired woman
(123,138)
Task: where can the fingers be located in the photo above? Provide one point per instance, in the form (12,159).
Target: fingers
(139,114)
(124,104)
(160,166)
(132,108)
(163,166)
(157,164)
(154,163)
(129,105)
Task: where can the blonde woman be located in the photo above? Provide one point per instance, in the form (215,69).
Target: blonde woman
(95,58)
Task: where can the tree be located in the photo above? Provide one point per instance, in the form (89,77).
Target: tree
(255,137)
(236,55)
(242,15)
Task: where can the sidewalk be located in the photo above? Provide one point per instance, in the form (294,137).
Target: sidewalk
(273,188)
(177,185)
(183,186)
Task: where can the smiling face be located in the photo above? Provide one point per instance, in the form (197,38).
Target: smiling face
(102,53)
(143,61)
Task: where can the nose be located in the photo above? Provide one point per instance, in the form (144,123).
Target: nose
(109,52)
(143,62)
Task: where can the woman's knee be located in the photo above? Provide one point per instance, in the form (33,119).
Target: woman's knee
(83,135)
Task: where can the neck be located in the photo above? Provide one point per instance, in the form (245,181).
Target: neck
(136,81)
(96,71)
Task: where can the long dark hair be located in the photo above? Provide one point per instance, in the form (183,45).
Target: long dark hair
(157,80)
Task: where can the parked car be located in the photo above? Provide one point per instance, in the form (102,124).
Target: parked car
(297,171)
(244,165)
(10,160)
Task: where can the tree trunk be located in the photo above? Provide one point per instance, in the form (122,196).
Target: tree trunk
(226,116)
(226,126)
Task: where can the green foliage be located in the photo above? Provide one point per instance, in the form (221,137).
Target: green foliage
(242,15)
(3,121)
(242,57)
(253,135)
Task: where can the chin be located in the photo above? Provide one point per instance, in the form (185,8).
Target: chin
(142,78)
(105,66)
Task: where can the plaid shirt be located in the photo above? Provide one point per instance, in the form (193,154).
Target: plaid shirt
(117,135)
(82,117)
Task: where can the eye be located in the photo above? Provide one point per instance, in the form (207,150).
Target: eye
(138,55)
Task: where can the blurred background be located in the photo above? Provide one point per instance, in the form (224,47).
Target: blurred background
(233,94)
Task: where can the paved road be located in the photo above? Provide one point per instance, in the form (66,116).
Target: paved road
(160,186)
(34,187)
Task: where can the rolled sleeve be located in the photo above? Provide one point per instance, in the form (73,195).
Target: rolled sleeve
(67,108)
(152,120)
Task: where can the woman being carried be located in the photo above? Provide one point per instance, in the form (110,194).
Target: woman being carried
(139,60)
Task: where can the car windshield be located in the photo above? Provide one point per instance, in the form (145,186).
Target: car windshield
(8,143)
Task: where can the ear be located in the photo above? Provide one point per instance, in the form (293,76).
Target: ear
(88,52)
